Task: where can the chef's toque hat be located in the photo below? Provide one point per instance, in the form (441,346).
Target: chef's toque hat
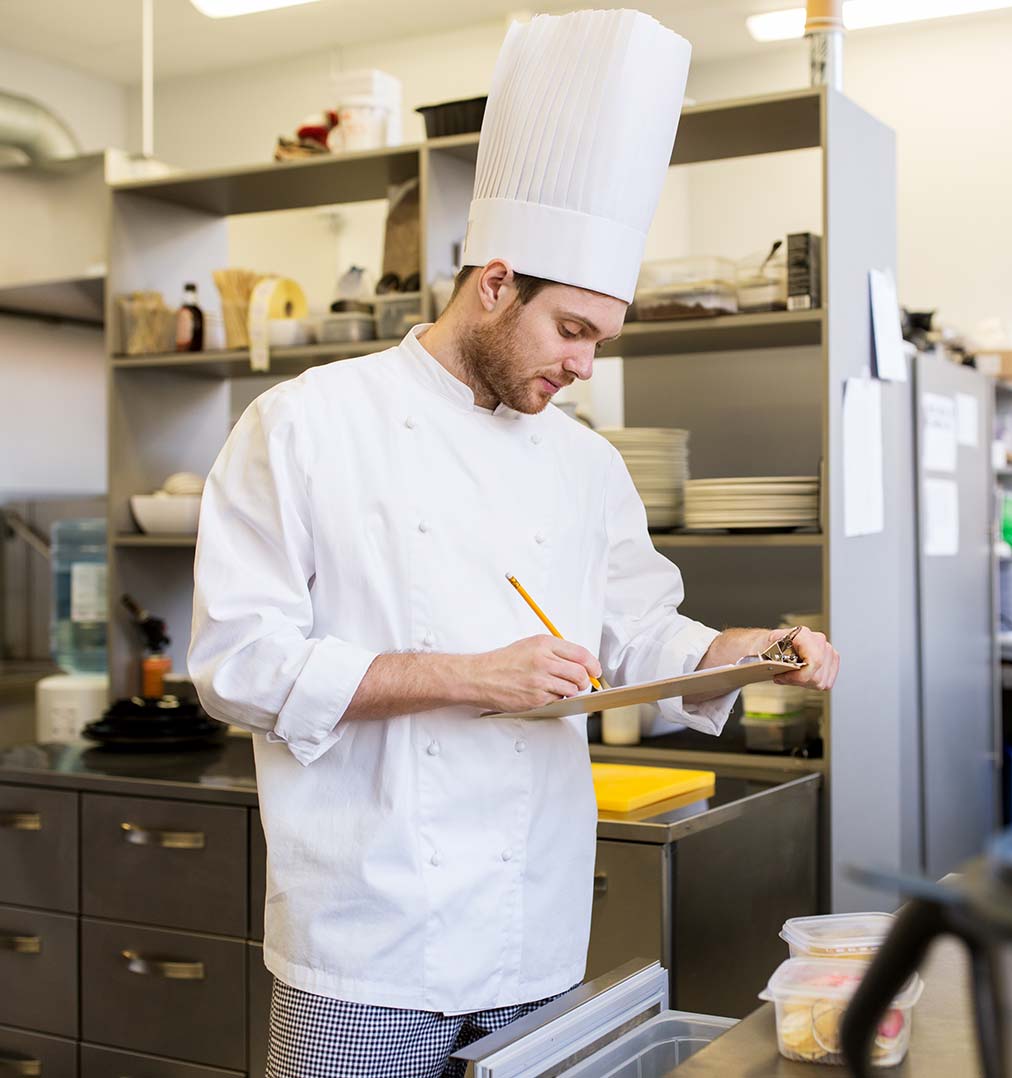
(575,145)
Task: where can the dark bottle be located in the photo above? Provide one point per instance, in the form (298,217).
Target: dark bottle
(189,322)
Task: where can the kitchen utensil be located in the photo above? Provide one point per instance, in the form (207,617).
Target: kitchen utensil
(165,514)
(235,286)
(976,907)
(625,787)
(166,723)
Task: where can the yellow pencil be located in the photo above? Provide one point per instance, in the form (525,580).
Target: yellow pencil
(547,624)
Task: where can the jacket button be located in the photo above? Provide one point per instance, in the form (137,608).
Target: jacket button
(520,746)
(428,640)
(433,748)
(536,439)
(540,537)
(424,526)
(411,422)
(506,855)
(435,860)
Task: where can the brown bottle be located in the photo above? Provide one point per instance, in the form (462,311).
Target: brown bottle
(189,322)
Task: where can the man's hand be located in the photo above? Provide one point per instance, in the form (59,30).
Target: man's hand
(822,661)
(529,673)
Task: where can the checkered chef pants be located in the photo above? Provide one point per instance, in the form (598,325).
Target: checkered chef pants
(317,1037)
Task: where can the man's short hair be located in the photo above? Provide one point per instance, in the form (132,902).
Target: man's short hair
(527,286)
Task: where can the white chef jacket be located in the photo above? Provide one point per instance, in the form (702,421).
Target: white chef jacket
(438,860)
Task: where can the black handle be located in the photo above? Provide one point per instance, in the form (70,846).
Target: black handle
(988,1006)
(917,924)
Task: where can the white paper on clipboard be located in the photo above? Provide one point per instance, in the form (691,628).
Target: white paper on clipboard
(715,681)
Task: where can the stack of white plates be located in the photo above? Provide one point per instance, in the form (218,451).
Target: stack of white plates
(774,502)
(658,462)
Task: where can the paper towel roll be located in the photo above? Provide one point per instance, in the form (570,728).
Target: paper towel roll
(273,297)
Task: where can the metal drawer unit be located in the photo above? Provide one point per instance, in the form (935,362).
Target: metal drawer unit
(171,863)
(38,966)
(260,983)
(257,876)
(110,1063)
(38,848)
(168,993)
(33,1055)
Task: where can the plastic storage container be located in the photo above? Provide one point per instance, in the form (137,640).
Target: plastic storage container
(837,935)
(810,996)
(762,284)
(396,313)
(686,288)
(783,734)
(80,610)
(344,328)
(765,699)
(653,1049)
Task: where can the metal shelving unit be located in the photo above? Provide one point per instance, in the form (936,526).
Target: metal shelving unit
(765,398)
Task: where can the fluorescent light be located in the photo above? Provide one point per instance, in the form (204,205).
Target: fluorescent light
(862,14)
(225,9)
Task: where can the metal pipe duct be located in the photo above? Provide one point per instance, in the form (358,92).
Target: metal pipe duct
(32,128)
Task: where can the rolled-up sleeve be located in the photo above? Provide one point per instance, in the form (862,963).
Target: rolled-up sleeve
(644,637)
(253,657)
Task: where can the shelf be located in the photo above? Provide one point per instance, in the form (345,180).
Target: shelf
(135,540)
(774,329)
(80,300)
(712,540)
(284,185)
(234,363)
(717,130)
(722,333)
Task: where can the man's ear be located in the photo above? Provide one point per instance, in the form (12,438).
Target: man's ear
(495,282)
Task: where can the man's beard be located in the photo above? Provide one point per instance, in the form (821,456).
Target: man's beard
(491,356)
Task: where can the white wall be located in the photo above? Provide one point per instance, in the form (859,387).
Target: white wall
(944,88)
(94,109)
(53,418)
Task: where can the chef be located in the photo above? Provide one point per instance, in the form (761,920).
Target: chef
(429,869)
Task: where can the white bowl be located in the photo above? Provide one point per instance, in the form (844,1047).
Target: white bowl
(164,514)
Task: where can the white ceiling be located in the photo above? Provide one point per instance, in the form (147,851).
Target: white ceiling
(103,37)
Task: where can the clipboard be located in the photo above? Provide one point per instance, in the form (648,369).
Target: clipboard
(715,681)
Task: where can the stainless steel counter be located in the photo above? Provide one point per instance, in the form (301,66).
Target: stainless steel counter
(941,1046)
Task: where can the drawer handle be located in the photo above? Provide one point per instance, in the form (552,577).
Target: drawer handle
(21,1065)
(21,944)
(169,840)
(600,883)
(21,821)
(156,967)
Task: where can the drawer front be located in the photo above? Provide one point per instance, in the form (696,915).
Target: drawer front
(38,971)
(257,876)
(261,982)
(38,848)
(627,921)
(110,1063)
(168,993)
(32,1054)
(169,863)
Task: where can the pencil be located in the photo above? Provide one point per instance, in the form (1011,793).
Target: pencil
(544,621)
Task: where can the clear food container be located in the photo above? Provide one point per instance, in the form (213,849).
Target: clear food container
(768,700)
(396,313)
(686,288)
(761,285)
(784,733)
(837,935)
(344,328)
(810,996)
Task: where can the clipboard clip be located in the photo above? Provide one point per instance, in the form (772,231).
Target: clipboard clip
(782,650)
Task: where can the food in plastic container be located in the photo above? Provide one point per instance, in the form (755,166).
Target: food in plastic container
(694,287)
(810,996)
(837,935)
(344,328)
(782,733)
(765,699)
(761,282)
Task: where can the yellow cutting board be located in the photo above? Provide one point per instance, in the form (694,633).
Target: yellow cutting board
(625,787)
